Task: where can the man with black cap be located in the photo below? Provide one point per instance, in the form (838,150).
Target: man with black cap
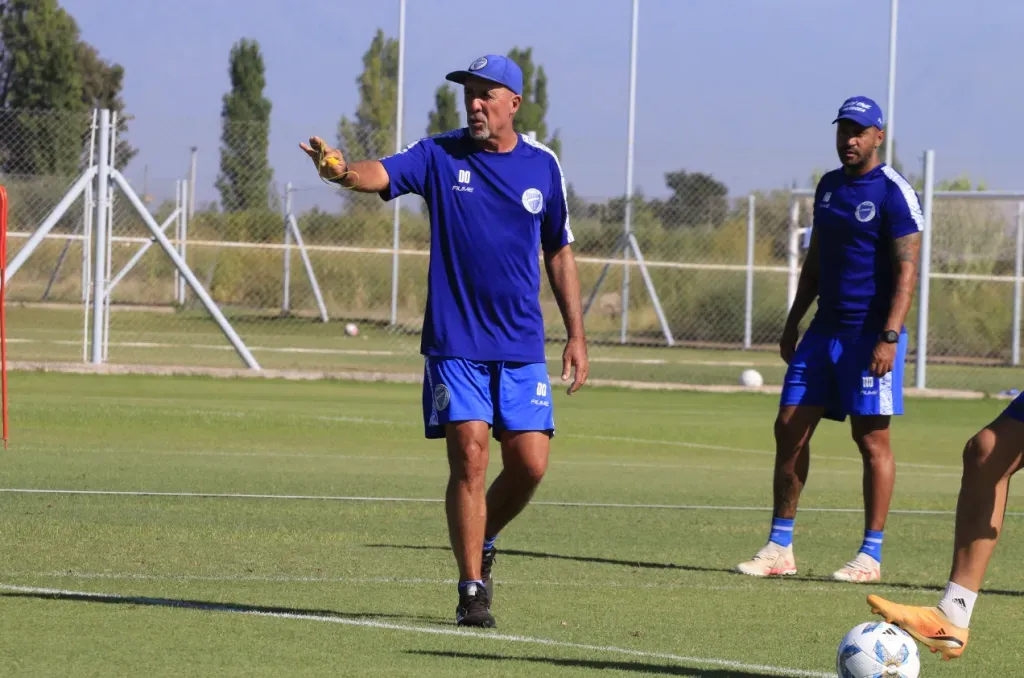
(496,200)
(861,267)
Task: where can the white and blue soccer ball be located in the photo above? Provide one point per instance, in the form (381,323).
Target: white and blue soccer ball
(878,650)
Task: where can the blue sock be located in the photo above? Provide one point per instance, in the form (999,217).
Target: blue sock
(782,531)
(464,584)
(489,542)
(872,544)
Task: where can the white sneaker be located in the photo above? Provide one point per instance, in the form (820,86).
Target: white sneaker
(861,569)
(771,561)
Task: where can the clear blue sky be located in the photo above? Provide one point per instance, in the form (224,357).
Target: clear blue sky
(743,89)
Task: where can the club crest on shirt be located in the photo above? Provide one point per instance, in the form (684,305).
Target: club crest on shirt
(533,200)
(441,397)
(865,211)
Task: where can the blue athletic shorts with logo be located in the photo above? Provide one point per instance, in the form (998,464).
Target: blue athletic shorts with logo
(1015,410)
(833,372)
(510,396)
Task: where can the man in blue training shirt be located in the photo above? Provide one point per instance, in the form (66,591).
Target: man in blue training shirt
(496,200)
(861,266)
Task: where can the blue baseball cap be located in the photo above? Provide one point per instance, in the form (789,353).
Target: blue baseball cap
(495,68)
(862,111)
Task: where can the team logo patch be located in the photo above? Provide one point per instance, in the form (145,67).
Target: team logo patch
(865,211)
(478,64)
(533,201)
(441,397)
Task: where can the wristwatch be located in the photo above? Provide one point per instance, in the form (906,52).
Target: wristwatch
(890,336)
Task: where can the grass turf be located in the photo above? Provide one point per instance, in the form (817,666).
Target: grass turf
(577,585)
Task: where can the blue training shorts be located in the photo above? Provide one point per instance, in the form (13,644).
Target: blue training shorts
(1015,410)
(510,396)
(833,372)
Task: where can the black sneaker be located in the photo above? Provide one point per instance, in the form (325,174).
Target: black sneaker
(490,555)
(474,608)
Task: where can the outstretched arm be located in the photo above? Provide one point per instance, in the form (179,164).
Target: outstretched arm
(364,176)
(561,269)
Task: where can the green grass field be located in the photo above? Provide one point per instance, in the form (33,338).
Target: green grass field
(622,567)
(191,338)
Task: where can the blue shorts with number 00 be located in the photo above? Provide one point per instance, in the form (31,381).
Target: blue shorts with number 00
(834,372)
(510,396)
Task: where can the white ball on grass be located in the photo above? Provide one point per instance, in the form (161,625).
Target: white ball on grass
(751,378)
(351,329)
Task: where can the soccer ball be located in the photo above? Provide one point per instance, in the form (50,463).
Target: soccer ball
(351,329)
(878,649)
(751,378)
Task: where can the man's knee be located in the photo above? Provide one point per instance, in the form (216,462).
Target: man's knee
(871,434)
(977,451)
(526,456)
(467,458)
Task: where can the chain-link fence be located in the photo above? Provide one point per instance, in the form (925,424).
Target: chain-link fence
(295,267)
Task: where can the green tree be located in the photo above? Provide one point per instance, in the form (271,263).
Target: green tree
(371,134)
(42,84)
(245,173)
(446,115)
(534,107)
(102,83)
(697,199)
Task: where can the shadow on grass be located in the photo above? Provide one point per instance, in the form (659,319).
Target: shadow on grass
(207,606)
(695,568)
(646,668)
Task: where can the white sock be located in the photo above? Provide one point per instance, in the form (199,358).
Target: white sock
(957,604)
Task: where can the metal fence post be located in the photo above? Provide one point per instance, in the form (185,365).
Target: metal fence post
(1018,272)
(748,311)
(926,269)
(100,224)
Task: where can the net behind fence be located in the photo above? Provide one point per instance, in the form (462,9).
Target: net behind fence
(293,265)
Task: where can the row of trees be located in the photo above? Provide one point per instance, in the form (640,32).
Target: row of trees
(49,80)
(245,173)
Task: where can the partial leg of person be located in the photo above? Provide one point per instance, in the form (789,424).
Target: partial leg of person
(457,407)
(872,402)
(808,391)
(990,458)
(871,433)
(524,424)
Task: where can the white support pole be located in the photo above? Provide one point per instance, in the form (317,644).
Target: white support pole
(103,184)
(748,310)
(645,274)
(110,239)
(399,113)
(192,182)
(630,145)
(87,233)
(286,293)
(1018,283)
(196,286)
(926,269)
(890,134)
(309,267)
(793,251)
(177,236)
(51,220)
(184,240)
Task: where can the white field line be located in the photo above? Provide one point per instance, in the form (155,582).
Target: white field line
(790,585)
(340,351)
(388,626)
(436,500)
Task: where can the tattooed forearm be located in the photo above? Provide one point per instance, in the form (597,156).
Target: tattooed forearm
(908,249)
(906,254)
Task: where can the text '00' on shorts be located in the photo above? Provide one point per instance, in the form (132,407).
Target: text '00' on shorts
(833,372)
(509,396)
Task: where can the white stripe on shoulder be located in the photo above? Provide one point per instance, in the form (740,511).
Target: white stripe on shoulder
(561,174)
(908,195)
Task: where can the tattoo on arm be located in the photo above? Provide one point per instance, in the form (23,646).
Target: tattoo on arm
(908,249)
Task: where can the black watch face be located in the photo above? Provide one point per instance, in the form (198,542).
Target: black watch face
(891,336)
